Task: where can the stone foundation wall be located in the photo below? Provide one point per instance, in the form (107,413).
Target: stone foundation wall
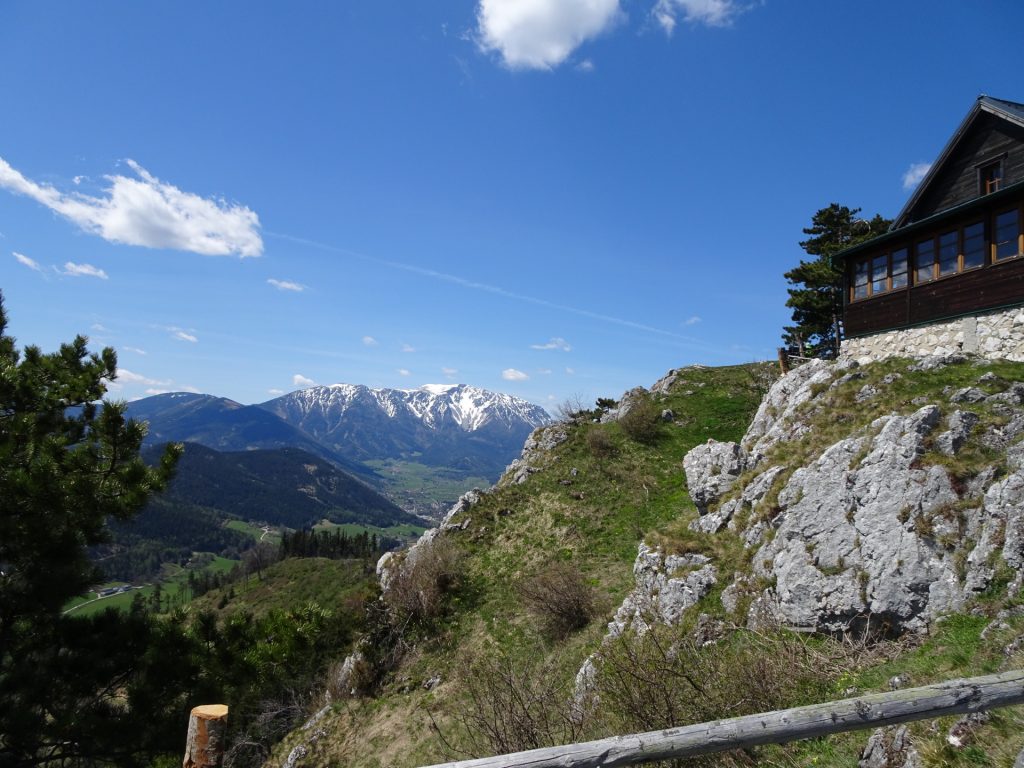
(998,334)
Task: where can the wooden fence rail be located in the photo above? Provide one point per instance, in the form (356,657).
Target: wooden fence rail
(873,711)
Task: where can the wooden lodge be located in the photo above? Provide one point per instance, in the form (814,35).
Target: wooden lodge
(957,247)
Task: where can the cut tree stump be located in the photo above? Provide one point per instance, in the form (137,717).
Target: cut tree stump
(204,745)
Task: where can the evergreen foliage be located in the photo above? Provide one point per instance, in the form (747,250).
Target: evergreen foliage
(817,296)
(66,466)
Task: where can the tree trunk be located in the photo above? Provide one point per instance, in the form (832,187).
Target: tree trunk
(207,730)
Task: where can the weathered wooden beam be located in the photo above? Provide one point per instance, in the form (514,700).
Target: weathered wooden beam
(204,745)
(874,711)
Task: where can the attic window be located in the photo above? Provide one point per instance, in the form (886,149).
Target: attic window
(990,177)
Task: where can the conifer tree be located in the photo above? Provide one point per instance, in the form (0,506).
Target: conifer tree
(817,296)
(68,462)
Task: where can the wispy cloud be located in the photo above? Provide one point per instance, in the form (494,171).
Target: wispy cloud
(99,328)
(404,372)
(130,377)
(369,341)
(408,348)
(693,320)
(540,34)
(136,350)
(570,371)
(511,374)
(914,175)
(711,13)
(555,343)
(26,261)
(544,371)
(287,285)
(143,210)
(83,270)
(451,373)
(180,334)
(275,392)
(302,381)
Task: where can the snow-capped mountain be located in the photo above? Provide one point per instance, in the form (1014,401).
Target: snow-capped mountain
(455,426)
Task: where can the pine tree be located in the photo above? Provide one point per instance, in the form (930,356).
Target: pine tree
(817,299)
(68,462)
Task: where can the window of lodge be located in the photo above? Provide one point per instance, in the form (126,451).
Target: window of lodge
(880,274)
(974,245)
(925,261)
(990,177)
(1006,233)
(949,253)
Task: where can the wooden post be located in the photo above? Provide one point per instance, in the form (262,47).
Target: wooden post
(975,694)
(783,361)
(204,745)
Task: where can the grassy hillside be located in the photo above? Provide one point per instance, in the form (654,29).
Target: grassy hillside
(332,584)
(592,500)
(484,669)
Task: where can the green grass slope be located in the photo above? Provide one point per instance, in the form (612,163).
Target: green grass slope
(481,661)
(593,499)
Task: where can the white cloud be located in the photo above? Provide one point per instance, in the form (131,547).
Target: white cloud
(275,392)
(26,261)
(370,341)
(136,350)
(570,371)
(130,377)
(541,34)
(450,372)
(408,348)
(99,328)
(152,391)
(544,371)
(404,372)
(286,285)
(180,335)
(585,66)
(914,174)
(83,270)
(555,343)
(143,210)
(301,381)
(712,13)
(693,320)
(511,374)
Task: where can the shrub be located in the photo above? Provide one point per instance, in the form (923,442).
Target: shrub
(560,598)
(418,593)
(642,419)
(668,678)
(511,705)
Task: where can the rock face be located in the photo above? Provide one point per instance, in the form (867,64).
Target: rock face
(865,537)
(849,543)
(711,470)
(666,586)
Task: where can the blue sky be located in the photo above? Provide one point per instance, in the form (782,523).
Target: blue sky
(551,198)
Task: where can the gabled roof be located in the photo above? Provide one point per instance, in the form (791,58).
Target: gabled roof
(1007,110)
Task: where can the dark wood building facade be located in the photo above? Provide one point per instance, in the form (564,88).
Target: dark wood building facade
(957,248)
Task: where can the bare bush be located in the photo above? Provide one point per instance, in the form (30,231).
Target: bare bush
(419,590)
(560,598)
(668,678)
(572,409)
(510,705)
(641,421)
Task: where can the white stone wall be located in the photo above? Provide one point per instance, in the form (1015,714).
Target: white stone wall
(992,335)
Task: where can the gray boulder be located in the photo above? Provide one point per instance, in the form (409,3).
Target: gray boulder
(711,470)
(848,541)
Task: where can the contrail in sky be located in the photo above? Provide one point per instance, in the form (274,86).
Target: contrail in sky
(456,280)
